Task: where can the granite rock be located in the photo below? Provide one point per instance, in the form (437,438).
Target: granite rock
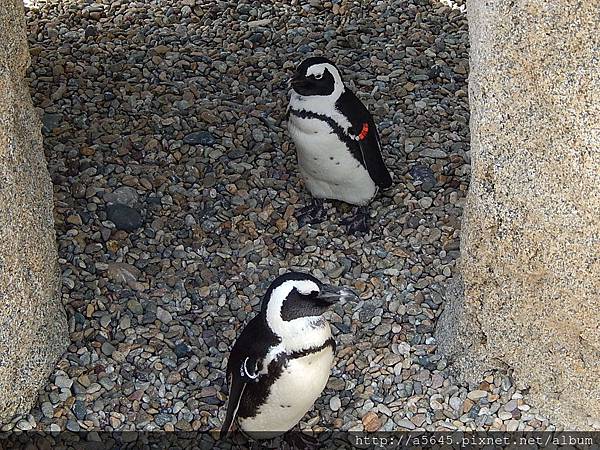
(34,331)
(529,243)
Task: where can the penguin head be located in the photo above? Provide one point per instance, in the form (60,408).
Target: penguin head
(295,303)
(317,76)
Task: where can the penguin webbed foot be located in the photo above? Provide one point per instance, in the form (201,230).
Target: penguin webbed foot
(312,214)
(296,440)
(256,445)
(358,223)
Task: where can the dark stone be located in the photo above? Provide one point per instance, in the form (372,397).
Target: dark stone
(209,337)
(199,137)
(211,401)
(79,409)
(149,315)
(79,318)
(343,328)
(423,174)
(367,312)
(235,154)
(474,412)
(181,350)
(90,31)
(51,121)
(124,217)
(78,388)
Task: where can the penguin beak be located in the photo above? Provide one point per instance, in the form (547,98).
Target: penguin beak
(332,294)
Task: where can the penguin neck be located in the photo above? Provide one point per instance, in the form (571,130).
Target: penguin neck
(323,104)
(305,334)
(313,335)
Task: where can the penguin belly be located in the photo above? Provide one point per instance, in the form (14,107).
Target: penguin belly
(326,164)
(291,395)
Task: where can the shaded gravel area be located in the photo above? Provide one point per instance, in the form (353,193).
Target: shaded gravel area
(175,191)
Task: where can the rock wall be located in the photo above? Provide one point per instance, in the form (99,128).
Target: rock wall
(529,300)
(33,330)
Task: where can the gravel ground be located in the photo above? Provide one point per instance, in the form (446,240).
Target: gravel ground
(175,191)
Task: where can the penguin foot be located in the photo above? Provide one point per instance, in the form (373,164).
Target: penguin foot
(301,441)
(255,445)
(312,214)
(358,223)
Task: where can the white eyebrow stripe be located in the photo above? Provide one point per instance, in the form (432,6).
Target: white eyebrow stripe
(338,83)
(318,69)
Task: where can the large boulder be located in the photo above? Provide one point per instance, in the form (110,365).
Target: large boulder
(530,298)
(33,328)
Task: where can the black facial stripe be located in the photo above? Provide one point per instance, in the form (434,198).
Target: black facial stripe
(309,85)
(297,305)
(297,276)
(337,129)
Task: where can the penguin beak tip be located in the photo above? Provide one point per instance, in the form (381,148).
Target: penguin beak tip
(348,294)
(333,294)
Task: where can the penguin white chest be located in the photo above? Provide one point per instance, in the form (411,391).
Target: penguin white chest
(292,395)
(327,166)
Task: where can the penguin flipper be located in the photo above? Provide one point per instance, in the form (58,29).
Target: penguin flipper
(364,131)
(370,147)
(245,363)
(246,372)
(236,391)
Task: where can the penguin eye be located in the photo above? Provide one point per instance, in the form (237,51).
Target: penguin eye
(318,76)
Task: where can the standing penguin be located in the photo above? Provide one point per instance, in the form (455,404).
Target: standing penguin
(339,151)
(281,361)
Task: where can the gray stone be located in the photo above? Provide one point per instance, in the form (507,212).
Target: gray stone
(72,425)
(47,409)
(455,403)
(108,348)
(24,425)
(383,329)
(476,394)
(63,382)
(433,153)
(51,121)
(135,307)
(162,419)
(335,403)
(181,350)
(163,315)
(529,243)
(405,423)
(125,195)
(122,272)
(34,330)
(424,175)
